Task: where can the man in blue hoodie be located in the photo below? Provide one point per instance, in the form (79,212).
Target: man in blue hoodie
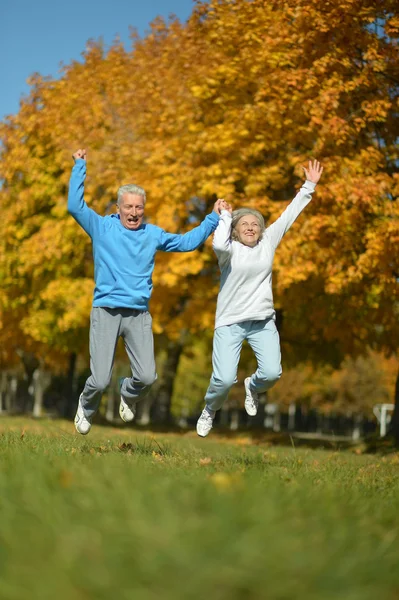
(124,249)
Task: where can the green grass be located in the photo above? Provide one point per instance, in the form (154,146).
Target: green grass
(127,515)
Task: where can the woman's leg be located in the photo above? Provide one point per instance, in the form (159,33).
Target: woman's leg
(227,344)
(264,340)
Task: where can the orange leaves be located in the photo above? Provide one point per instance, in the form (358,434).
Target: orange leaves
(59,311)
(377,110)
(355,387)
(391,26)
(230,104)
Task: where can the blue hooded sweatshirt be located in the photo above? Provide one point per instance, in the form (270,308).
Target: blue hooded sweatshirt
(124,259)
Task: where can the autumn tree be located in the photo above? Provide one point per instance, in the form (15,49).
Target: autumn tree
(273,84)
(230,105)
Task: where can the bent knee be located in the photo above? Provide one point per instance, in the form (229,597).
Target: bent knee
(225,383)
(271,376)
(100,385)
(147,379)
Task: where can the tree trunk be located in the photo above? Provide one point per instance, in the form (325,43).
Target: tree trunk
(38,392)
(394,425)
(41,380)
(144,411)
(109,413)
(3,390)
(163,400)
(70,391)
(30,363)
(11,397)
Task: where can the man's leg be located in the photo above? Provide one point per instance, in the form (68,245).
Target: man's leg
(136,331)
(104,333)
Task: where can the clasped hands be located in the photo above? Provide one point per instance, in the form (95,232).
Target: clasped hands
(220,205)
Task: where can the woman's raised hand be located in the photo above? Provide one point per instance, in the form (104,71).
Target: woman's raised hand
(313,173)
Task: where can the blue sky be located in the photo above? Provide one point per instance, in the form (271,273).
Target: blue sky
(36,36)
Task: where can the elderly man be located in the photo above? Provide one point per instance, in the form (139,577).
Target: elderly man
(124,249)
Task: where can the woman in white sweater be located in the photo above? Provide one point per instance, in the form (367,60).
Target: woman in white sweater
(245,251)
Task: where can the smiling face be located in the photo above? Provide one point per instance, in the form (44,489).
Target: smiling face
(131,210)
(248,230)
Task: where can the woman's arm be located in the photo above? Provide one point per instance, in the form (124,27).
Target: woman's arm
(222,237)
(280,227)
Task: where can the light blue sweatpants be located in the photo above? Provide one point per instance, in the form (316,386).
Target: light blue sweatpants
(264,340)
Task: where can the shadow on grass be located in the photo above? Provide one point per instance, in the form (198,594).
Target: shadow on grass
(374,444)
(370,444)
(257,436)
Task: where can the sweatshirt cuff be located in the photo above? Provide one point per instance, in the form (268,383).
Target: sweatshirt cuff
(309,185)
(80,162)
(79,168)
(214,217)
(225,212)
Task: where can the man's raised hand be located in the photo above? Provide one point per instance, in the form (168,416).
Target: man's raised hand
(313,173)
(81,153)
(217,206)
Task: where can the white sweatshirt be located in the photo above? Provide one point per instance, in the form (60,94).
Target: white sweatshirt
(246,273)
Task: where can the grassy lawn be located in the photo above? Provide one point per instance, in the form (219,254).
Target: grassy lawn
(127,515)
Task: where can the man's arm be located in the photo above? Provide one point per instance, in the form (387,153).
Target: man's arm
(280,227)
(77,207)
(174,242)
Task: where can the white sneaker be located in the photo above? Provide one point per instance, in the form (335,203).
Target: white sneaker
(82,424)
(251,399)
(126,411)
(204,423)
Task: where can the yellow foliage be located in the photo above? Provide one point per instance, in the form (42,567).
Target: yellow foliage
(230,104)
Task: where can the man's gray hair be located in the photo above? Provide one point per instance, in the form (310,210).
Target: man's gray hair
(241,212)
(130,188)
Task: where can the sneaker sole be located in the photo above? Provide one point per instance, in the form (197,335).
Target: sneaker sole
(122,416)
(251,414)
(203,434)
(247,392)
(81,432)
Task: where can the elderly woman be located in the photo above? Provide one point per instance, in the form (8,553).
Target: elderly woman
(245,251)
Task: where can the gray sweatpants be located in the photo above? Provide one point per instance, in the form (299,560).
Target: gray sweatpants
(106,326)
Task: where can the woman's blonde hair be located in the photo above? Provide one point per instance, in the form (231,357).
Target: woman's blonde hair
(241,212)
